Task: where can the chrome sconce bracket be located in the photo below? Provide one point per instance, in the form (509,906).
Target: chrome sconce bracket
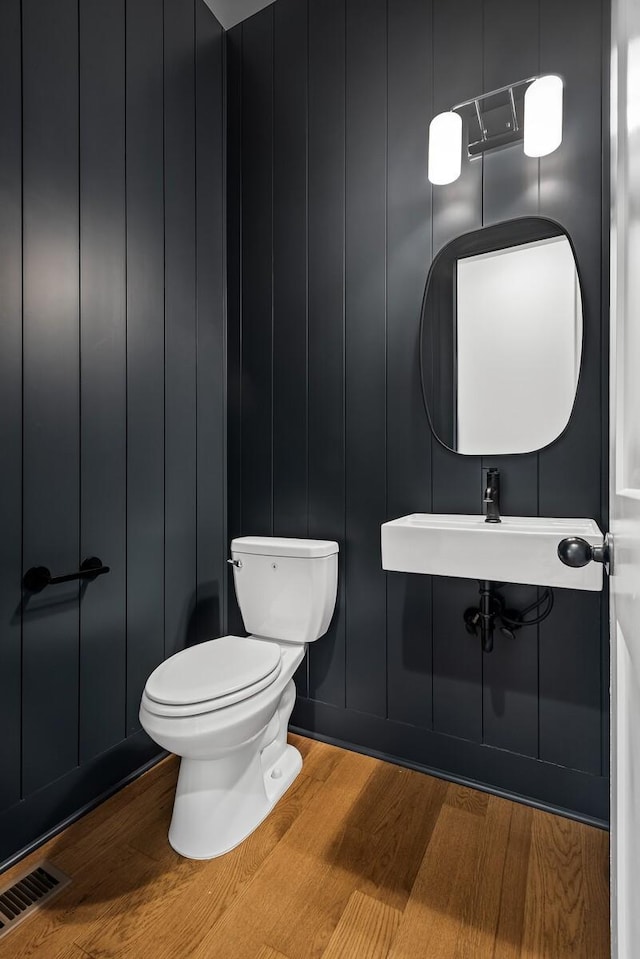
(495,119)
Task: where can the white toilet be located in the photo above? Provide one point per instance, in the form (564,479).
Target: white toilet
(224,705)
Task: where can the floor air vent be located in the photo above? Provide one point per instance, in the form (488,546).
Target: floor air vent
(28,893)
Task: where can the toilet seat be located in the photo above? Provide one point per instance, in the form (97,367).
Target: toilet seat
(212,675)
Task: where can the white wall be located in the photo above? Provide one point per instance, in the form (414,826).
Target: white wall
(519,334)
(230,12)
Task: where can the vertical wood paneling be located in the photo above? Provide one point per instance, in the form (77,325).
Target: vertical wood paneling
(457,663)
(326,321)
(103,372)
(456,480)
(233,46)
(180,550)
(290,322)
(373,217)
(570,682)
(365,351)
(10,397)
(290,269)
(457,208)
(571,192)
(510,189)
(409,623)
(257,274)
(570,695)
(210,305)
(83,88)
(51,387)
(511,53)
(145,348)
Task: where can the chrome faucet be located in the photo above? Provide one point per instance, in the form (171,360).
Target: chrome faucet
(492,496)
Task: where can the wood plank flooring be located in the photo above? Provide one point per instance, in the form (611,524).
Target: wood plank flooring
(360,860)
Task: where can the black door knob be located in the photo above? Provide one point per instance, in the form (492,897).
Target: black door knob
(575,551)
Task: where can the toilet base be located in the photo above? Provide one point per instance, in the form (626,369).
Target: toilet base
(220,802)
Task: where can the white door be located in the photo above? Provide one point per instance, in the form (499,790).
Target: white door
(625,479)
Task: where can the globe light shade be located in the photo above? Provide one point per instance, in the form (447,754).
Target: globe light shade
(543,116)
(445,148)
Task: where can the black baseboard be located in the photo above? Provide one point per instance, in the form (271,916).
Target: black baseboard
(47,812)
(567,792)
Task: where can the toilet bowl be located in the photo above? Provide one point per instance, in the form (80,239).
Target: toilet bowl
(223,706)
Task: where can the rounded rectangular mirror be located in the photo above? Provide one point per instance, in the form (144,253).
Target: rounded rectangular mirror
(501,338)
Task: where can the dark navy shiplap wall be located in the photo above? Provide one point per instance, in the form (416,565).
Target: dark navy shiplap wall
(332,225)
(112,380)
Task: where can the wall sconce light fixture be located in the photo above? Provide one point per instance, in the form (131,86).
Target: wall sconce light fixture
(529,111)
(445,147)
(543,116)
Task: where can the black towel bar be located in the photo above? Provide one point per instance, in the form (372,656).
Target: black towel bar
(36,578)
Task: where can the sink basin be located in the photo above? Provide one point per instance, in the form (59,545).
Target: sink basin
(520,549)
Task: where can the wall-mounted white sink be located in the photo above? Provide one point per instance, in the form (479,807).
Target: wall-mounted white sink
(520,549)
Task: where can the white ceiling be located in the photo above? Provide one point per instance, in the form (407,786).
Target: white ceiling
(230,12)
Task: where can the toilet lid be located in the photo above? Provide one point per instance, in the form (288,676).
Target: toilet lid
(213,669)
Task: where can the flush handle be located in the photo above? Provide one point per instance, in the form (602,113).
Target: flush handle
(577,552)
(235,562)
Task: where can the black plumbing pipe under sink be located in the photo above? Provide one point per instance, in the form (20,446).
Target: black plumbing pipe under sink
(486,615)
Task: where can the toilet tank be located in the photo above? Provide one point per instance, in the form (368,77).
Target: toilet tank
(286,588)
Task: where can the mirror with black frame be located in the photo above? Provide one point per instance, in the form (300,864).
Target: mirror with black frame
(501,338)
